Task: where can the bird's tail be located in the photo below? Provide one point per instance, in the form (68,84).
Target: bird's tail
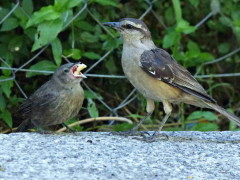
(24,126)
(222,111)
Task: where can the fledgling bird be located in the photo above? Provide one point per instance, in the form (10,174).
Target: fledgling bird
(56,101)
(157,76)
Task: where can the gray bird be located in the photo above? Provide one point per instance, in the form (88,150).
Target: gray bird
(56,101)
(157,76)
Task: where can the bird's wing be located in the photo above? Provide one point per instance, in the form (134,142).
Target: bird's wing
(38,101)
(160,65)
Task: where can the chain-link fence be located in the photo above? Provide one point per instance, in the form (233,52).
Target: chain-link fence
(90,70)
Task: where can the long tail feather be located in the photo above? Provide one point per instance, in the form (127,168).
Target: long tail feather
(24,126)
(222,111)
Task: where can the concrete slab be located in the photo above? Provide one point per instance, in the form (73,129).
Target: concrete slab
(89,155)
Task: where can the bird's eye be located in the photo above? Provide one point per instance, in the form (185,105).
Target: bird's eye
(129,26)
(66,70)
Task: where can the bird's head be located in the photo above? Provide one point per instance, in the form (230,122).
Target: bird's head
(131,29)
(70,73)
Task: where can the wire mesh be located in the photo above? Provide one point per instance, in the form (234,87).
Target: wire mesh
(90,70)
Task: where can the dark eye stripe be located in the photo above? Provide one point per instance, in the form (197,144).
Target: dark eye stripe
(129,26)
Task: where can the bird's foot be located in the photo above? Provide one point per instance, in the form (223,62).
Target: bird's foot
(131,133)
(69,128)
(153,137)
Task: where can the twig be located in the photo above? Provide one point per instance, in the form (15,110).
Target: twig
(96,119)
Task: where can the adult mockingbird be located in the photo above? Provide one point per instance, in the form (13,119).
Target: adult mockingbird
(157,76)
(56,101)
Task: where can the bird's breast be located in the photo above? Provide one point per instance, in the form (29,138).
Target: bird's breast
(65,106)
(147,85)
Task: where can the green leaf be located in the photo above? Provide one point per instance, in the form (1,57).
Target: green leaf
(169,39)
(73,53)
(90,95)
(226,21)
(9,24)
(3,12)
(177,9)
(195,3)
(88,37)
(111,43)
(123,127)
(77,127)
(44,14)
(205,127)
(223,48)
(7,117)
(236,31)
(204,56)
(30,32)
(16,43)
(235,16)
(27,6)
(111,66)
(2,102)
(44,65)
(57,51)
(168,15)
(20,14)
(84,25)
(92,109)
(202,115)
(106,3)
(64,5)
(6,85)
(47,32)
(183,26)
(91,55)
(193,48)
(5,72)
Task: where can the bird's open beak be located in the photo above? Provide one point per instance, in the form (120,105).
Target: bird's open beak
(114,25)
(76,70)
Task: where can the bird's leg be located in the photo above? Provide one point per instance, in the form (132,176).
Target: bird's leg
(40,130)
(168,109)
(70,129)
(133,132)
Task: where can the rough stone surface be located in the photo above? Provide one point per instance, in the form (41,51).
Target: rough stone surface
(185,155)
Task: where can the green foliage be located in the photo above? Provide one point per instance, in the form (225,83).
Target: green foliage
(57,51)
(202,114)
(45,64)
(92,109)
(77,127)
(106,3)
(73,53)
(50,21)
(7,117)
(205,127)
(35,24)
(123,127)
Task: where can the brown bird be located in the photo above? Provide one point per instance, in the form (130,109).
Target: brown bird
(157,76)
(56,101)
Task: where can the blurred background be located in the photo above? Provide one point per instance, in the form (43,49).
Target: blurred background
(38,36)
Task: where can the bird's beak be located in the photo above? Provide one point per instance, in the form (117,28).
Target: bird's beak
(76,70)
(82,76)
(114,25)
